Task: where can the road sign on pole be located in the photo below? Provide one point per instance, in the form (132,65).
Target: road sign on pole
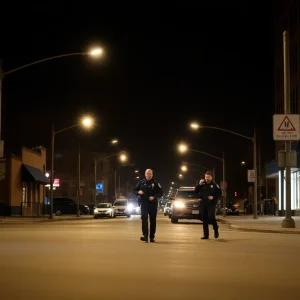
(286,127)
(251,175)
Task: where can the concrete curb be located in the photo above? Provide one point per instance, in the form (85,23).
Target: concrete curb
(262,230)
(42,220)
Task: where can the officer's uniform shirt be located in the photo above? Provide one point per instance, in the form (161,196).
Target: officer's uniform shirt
(208,189)
(150,188)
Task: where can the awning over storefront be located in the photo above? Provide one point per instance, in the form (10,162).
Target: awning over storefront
(31,174)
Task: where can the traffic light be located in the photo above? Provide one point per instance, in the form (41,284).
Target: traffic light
(235,194)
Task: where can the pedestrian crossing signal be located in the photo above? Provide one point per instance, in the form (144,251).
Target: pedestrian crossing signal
(235,194)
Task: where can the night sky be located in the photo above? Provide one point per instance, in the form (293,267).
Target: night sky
(163,67)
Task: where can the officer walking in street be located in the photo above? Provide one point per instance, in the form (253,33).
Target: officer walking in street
(148,190)
(209,193)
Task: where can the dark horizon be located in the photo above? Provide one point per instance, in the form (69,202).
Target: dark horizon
(212,65)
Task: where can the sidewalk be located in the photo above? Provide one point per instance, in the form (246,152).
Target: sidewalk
(43,219)
(266,224)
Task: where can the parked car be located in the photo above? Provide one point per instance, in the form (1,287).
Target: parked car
(104,210)
(121,208)
(65,205)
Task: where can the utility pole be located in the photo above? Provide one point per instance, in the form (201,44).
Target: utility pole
(78,192)
(255,174)
(116,194)
(288,221)
(259,170)
(95,182)
(224,187)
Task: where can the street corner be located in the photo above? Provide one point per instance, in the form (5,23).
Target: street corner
(18,221)
(264,230)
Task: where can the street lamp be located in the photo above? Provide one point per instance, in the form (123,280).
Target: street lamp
(184,168)
(97,52)
(86,122)
(253,139)
(202,167)
(185,147)
(182,148)
(114,141)
(123,158)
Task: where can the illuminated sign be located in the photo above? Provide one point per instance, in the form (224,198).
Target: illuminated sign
(56,182)
(99,187)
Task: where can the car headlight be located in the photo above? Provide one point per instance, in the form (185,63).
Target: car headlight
(95,210)
(130,207)
(178,204)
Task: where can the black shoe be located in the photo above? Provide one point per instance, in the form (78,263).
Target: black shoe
(144,239)
(216,234)
(152,240)
(205,237)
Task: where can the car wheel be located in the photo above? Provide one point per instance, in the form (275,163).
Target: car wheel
(174,220)
(165,214)
(58,212)
(95,217)
(128,216)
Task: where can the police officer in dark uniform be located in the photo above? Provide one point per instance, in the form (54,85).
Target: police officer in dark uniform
(209,193)
(149,190)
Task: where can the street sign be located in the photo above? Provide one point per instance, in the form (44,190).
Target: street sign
(251,175)
(286,127)
(2,169)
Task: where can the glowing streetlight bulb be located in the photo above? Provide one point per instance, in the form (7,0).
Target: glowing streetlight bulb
(114,141)
(184,168)
(96,52)
(182,148)
(123,157)
(87,122)
(180,175)
(195,125)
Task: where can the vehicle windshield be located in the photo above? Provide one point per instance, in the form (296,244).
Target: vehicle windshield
(187,194)
(120,203)
(169,204)
(103,205)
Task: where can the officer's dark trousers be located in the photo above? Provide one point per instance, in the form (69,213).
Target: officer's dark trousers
(149,209)
(208,216)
